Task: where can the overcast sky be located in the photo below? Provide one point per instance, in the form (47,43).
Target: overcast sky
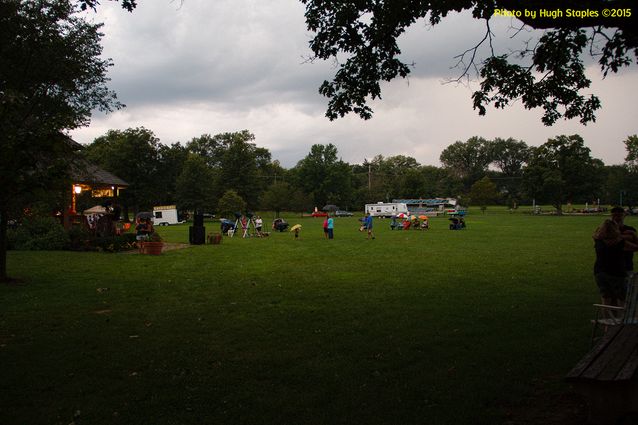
(208,67)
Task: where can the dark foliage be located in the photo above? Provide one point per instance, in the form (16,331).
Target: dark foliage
(361,36)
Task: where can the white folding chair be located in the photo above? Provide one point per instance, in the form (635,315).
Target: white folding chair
(610,315)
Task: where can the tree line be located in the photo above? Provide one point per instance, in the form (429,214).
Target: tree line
(228,172)
(53,75)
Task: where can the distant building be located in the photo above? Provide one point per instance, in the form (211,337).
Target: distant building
(430,206)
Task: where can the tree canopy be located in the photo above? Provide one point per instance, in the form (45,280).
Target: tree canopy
(563,170)
(132,155)
(92,4)
(195,186)
(361,36)
(483,193)
(52,76)
(631,145)
(323,176)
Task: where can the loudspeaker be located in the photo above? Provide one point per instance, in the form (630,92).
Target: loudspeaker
(198,220)
(196,235)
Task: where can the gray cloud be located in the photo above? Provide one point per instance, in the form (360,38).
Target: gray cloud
(228,65)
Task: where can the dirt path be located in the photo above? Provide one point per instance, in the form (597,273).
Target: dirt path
(168,246)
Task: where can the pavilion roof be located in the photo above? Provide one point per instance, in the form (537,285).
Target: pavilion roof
(91,174)
(84,172)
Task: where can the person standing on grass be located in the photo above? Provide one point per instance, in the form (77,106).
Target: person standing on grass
(610,270)
(330,223)
(368,225)
(258,224)
(325,227)
(628,233)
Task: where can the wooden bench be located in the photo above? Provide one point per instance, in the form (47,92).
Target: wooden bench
(607,376)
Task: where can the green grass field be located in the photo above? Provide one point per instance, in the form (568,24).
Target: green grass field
(414,327)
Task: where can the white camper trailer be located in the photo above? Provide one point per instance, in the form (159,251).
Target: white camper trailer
(164,215)
(386,209)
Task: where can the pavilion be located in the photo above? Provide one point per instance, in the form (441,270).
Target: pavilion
(89,178)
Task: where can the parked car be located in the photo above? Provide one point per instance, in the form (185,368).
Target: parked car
(340,213)
(319,214)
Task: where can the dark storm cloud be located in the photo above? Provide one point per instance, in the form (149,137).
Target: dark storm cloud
(228,65)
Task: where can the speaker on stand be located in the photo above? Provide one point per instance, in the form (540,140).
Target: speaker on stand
(197,232)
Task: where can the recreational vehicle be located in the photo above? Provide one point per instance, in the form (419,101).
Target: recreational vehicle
(164,215)
(429,207)
(386,209)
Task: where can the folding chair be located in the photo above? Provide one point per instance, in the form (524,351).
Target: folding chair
(610,315)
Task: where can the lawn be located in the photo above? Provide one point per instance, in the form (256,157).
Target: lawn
(414,327)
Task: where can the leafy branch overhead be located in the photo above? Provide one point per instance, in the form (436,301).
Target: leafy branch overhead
(550,75)
(93,4)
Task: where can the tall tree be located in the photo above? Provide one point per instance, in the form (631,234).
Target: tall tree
(630,186)
(276,198)
(548,75)
(133,155)
(509,156)
(483,193)
(208,147)
(620,186)
(52,76)
(439,183)
(195,186)
(562,170)
(239,163)
(394,176)
(631,145)
(281,196)
(468,160)
(171,163)
(324,177)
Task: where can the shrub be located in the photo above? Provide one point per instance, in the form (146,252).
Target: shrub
(154,237)
(231,203)
(38,234)
(79,239)
(123,242)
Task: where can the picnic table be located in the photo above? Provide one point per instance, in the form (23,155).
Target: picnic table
(607,376)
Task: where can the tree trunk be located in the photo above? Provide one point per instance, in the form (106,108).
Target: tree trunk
(3,244)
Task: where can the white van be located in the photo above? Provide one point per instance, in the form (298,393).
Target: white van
(386,209)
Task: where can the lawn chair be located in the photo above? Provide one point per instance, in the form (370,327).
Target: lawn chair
(610,315)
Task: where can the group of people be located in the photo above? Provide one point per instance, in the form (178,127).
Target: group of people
(245,225)
(411,222)
(329,225)
(615,244)
(143,228)
(230,227)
